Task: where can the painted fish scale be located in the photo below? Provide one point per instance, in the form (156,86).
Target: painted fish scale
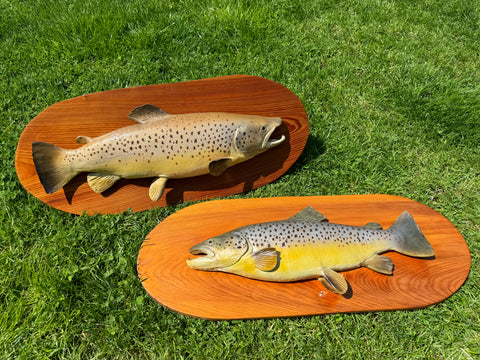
(307,247)
(169,147)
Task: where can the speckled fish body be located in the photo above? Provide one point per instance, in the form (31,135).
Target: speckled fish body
(161,145)
(307,246)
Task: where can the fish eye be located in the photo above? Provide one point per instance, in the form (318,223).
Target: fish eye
(263,128)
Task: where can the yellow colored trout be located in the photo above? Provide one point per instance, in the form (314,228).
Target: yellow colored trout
(307,246)
(161,145)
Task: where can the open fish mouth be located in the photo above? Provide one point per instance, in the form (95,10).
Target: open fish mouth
(202,250)
(269,142)
(205,259)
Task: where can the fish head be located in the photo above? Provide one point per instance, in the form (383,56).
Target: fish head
(254,135)
(218,252)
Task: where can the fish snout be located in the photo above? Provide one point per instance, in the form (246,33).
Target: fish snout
(217,253)
(201,249)
(272,143)
(205,260)
(268,142)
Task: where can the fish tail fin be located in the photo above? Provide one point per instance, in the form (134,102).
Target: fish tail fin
(53,171)
(411,240)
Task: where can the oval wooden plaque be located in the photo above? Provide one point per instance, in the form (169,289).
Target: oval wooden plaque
(96,114)
(415,282)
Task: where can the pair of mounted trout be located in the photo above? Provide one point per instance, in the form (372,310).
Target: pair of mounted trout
(166,146)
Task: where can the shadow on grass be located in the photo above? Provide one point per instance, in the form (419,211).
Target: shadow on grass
(314,148)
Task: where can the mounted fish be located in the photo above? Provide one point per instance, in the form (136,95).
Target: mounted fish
(306,246)
(161,145)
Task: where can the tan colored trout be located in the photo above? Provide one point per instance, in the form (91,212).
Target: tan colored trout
(307,246)
(161,145)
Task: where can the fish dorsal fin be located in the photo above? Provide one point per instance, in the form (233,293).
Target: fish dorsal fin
(83,139)
(101,182)
(217,167)
(266,259)
(146,113)
(378,263)
(373,226)
(156,188)
(333,281)
(310,214)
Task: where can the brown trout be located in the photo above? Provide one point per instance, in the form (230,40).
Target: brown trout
(307,246)
(161,145)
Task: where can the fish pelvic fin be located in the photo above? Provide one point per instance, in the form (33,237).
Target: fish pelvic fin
(52,168)
(101,182)
(333,281)
(157,188)
(411,240)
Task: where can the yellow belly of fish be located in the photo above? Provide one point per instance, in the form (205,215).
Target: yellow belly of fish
(307,262)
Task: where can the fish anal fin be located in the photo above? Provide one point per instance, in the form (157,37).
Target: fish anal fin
(373,226)
(333,281)
(310,214)
(157,188)
(378,263)
(217,167)
(83,139)
(266,259)
(146,113)
(101,182)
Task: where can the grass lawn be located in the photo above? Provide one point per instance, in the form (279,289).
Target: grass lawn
(392,90)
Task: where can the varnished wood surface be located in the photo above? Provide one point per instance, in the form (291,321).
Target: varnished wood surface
(415,283)
(96,114)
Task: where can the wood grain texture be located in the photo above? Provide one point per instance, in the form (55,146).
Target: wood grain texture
(415,282)
(96,114)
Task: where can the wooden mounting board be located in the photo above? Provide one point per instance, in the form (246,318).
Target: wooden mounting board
(415,282)
(96,114)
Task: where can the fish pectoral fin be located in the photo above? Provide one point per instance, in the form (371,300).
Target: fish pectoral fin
(378,263)
(217,167)
(310,214)
(156,188)
(83,139)
(266,259)
(333,281)
(373,226)
(101,182)
(146,113)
